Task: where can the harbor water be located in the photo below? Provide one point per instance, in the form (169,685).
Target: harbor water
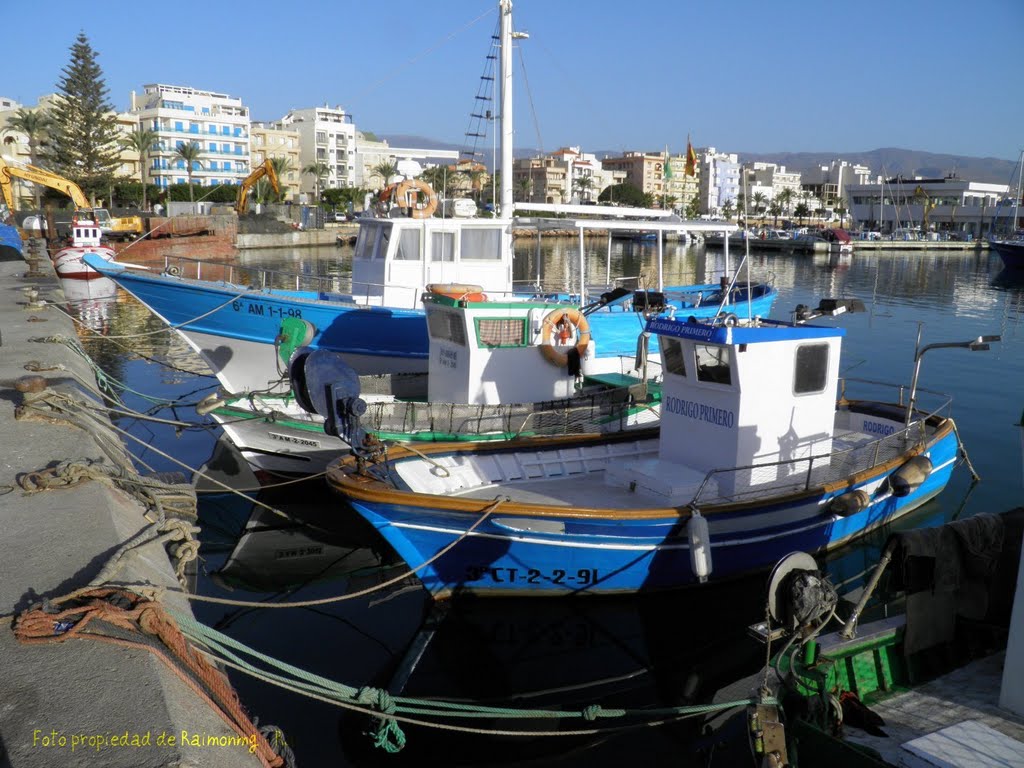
(296,543)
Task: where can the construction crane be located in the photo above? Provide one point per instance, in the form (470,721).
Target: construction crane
(125,227)
(38,176)
(264,169)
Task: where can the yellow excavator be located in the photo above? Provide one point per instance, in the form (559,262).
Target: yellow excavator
(266,168)
(125,227)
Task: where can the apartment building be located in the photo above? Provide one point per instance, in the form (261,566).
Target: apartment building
(217,122)
(327,136)
(718,180)
(269,142)
(643,170)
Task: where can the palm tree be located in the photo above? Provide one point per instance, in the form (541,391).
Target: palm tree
(727,209)
(441,179)
(190,153)
(785,198)
(317,171)
(385,169)
(758,198)
(35,126)
(583,184)
(476,181)
(141,141)
(282,167)
(525,187)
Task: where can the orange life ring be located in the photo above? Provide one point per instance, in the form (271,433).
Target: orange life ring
(417,210)
(462,291)
(557,319)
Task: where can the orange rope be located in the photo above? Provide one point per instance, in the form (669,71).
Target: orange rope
(145,617)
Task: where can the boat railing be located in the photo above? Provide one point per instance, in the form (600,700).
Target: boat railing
(755,481)
(260,278)
(600,412)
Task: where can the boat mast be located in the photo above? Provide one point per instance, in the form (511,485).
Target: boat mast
(505,8)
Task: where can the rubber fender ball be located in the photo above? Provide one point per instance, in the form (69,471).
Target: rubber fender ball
(909,477)
(850,503)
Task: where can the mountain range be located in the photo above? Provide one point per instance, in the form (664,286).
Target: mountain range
(889,161)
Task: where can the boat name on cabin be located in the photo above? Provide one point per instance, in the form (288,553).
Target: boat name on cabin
(700,411)
(674,328)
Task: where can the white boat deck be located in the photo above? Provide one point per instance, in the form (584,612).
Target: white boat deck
(622,475)
(969,694)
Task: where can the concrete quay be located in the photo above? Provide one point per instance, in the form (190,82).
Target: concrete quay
(80,702)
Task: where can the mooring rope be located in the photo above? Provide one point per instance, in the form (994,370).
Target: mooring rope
(123,618)
(410,710)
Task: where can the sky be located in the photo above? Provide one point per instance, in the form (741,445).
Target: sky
(606,75)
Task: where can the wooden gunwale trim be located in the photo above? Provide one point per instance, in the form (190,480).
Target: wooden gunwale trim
(342,476)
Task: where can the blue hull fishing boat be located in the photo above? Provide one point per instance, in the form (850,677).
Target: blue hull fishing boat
(376,321)
(762,450)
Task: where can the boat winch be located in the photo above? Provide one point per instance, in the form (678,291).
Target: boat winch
(908,478)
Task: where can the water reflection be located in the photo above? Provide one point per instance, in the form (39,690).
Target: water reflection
(630,652)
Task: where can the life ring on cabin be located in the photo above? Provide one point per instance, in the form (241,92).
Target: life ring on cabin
(557,328)
(417,210)
(460,291)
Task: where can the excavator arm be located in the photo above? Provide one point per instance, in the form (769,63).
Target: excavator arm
(265,169)
(39,176)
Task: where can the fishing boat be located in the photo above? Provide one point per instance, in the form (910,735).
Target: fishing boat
(497,370)
(917,664)
(761,450)
(1010,247)
(376,319)
(86,240)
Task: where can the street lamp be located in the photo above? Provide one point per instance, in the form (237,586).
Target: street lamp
(979,344)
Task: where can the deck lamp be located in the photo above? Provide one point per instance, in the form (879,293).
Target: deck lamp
(979,344)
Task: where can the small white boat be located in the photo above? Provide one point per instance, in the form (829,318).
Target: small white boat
(85,238)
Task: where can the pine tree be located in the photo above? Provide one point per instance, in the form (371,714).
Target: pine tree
(83,139)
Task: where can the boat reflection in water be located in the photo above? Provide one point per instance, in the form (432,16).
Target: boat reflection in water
(91,301)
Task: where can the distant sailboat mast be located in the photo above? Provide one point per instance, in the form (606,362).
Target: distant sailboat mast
(505,8)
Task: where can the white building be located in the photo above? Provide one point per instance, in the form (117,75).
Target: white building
(8,104)
(718,179)
(948,205)
(327,136)
(218,123)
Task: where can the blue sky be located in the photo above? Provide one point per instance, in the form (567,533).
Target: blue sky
(742,75)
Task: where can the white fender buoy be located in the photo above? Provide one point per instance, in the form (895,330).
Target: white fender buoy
(908,478)
(700,546)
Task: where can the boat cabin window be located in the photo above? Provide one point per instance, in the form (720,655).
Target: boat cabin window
(408,245)
(481,244)
(501,332)
(442,246)
(672,356)
(810,373)
(446,326)
(380,250)
(713,363)
(365,242)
